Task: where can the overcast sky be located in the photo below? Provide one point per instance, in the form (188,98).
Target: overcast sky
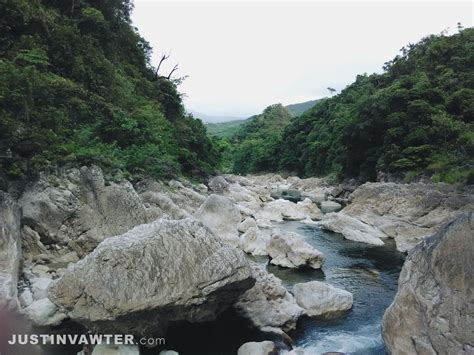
(243,56)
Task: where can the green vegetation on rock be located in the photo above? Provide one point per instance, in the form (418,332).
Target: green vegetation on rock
(77,87)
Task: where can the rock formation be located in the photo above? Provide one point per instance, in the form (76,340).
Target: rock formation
(433,311)
(153,275)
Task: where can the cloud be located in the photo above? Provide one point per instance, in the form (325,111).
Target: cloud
(243,56)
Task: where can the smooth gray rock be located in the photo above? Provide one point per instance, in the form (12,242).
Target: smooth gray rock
(352,228)
(330,206)
(221,215)
(268,304)
(433,310)
(319,298)
(258,348)
(290,250)
(155,274)
(10,249)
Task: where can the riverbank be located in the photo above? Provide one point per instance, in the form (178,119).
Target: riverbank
(102,253)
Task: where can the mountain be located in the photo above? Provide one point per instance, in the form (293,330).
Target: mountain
(228,126)
(77,87)
(299,108)
(413,120)
(216,118)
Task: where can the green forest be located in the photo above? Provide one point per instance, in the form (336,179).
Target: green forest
(415,119)
(77,87)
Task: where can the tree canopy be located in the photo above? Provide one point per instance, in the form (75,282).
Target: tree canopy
(416,118)
(77,87)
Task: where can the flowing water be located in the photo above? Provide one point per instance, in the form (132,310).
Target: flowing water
(369,272)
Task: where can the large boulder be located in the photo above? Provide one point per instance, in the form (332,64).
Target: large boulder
(155,274)
(218,185)
(258,348)
(79,209)
(408,212)
(319,298)
(222,216)
(10,249)
(268,304)
(352,228)
(433,310)
(279,210)
(290,250)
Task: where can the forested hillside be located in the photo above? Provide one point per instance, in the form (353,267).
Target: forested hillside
(414,119)
(226,129)
(257,140)
(77,86)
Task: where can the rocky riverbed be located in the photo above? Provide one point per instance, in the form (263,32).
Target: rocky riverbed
(144,258)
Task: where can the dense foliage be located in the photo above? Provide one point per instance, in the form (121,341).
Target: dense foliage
(77,86)
(416,118)
(257,140)
(227,129)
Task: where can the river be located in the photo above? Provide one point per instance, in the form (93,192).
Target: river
(369,272)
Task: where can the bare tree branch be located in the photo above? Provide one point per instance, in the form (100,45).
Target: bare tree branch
(163,58)
(172,71)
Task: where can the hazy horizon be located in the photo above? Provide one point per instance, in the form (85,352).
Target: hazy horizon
(243,56)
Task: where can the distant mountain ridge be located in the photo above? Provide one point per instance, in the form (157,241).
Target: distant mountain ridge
(227,128)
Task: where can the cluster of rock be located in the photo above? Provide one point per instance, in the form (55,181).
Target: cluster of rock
(406,212)
(105,254)
(135,259)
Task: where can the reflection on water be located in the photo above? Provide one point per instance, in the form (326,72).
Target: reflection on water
(369,272)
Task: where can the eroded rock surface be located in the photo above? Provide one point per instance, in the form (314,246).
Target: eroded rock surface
(408,212)
(352,228)
(222,216)
(79,209)
(290,250)
(319,298)
(268,304)
(433,311)
(151,276)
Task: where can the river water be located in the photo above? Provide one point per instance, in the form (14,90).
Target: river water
(369,272)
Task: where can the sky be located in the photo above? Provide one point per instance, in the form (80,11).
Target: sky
(242,56)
